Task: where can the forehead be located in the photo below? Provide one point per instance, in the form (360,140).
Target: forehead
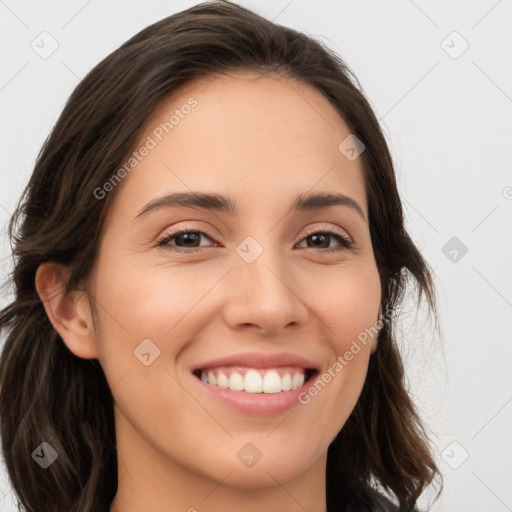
(243,134)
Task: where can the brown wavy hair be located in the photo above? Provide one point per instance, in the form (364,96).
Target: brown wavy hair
(48,394)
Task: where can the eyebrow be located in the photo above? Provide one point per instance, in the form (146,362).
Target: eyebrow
(220,203)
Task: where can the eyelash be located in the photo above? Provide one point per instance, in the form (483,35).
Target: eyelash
(345,242)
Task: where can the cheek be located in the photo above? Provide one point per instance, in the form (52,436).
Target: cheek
(137,302)
(146,315)
(347,300)
(349,308)
(149,302)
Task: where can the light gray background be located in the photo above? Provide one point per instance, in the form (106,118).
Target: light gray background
(449,124)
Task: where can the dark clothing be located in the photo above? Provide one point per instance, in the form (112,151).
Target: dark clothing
(366,500)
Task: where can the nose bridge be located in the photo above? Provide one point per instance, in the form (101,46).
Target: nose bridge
(262,286)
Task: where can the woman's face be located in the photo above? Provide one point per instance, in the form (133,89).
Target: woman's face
(256,296)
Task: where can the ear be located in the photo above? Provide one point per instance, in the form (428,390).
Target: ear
(70,313)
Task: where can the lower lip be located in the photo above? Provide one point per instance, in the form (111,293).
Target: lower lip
(258,404)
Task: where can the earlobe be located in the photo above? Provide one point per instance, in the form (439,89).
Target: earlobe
(69,313)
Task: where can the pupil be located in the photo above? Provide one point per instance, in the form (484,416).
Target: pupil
(316,236)
(188,237)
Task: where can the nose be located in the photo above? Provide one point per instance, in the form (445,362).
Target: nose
(265,296)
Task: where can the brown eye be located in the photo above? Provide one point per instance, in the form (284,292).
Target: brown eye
(321,240)
(184,239)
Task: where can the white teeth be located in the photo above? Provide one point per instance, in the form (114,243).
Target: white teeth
(222,381)
(271,382)
(236,382)
(297,381)
(212,379)
(286,382)
(253,382)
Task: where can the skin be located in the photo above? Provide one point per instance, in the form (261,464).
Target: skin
(262,141)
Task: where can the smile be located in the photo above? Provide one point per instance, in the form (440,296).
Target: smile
(255,380)
(255,383)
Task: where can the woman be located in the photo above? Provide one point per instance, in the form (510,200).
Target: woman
(145,370)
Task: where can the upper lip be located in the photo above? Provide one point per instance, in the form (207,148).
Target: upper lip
(260,360)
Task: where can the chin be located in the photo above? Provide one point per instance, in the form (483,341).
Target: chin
(269,464)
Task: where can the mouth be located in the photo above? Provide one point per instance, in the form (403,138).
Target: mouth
(254,383)
(245,379)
